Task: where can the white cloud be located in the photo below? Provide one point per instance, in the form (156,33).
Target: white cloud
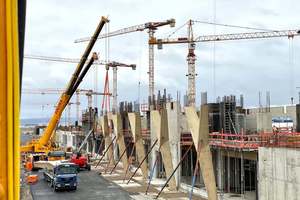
(241,66)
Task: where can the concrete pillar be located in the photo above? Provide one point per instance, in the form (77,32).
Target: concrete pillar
(107,137)
(200,135)
(160,127)
(220,170)
(174,112)
(120,139)
(135,125)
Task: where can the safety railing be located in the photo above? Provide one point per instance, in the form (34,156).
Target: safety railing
(250,142)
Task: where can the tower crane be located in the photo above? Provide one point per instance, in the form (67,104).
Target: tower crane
(151,27)
(88,93)
(190,40)
(109,64)
(114,66)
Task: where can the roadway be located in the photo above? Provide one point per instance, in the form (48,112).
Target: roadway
(90,186)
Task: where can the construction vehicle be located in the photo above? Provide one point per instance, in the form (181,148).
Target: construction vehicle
(78,158)
(60,175)
(43,144)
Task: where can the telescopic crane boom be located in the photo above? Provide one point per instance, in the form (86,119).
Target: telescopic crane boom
(42,144)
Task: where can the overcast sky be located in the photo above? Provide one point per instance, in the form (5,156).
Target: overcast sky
(242,67)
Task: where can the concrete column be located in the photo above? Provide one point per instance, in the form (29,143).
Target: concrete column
(160,127)
(173,112)
(120,139)
(200,134)
(135,125)
(107,138)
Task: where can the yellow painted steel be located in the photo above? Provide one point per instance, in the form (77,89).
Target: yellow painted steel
(54,120)
(9,101)
(42,145)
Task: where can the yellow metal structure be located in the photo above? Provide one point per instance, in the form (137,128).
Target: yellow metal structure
(43,144)
(9,101)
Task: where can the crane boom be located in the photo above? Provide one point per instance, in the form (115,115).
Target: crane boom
(42,145)
(224,37)
(76,60)
(190,40)
(140,27)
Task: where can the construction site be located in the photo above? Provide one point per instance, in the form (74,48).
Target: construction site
(124,129)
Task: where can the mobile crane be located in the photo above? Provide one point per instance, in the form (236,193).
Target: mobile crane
(42,145)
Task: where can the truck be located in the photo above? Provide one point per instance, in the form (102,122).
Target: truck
(60,175)
(81,161)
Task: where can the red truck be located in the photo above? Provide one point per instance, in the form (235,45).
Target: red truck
(81,161)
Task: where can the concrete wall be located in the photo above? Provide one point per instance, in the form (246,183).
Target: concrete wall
(279,174)
(174,117)
(256,121)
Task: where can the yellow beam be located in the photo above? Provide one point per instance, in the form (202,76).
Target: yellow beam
(9,101)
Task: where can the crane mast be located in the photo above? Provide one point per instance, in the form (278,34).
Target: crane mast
(191,58)
(191,41)
(114,66)
(42,145)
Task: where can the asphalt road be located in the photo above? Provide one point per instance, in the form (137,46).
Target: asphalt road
(90,186)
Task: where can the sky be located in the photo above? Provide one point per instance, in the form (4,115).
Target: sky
(240,67)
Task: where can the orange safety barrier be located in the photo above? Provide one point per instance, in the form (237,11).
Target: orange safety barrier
(32,179)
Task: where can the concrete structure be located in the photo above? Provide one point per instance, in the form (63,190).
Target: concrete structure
(107,137)
(199,130)
(135,125)
(118,130)
(159,123)
(279,173)
(260,119)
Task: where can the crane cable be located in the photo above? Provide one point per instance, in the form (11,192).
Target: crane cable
(231,25)
(176,30)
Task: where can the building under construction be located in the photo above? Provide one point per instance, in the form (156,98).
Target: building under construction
(165,148)
(253,151)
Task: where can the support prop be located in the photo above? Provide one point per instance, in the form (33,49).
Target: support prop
(166,183)
(143,160)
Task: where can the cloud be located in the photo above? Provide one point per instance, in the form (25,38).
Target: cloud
(240,66)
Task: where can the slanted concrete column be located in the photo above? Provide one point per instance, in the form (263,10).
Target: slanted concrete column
(160,126)
(200,134)
(107,137)
(135,125)
(120,139)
